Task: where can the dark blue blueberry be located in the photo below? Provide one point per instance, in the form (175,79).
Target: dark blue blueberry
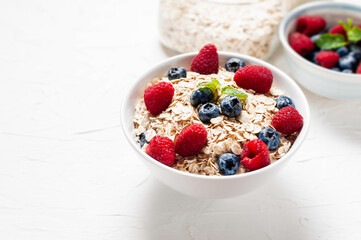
(142,139)
(336,69)
(342,51)
(312,56)
(176,73)
(208,111)
(228,163)
(356,55)
(347,71)
(315,37)
(231,106)
(270,137)
(233,64)
(201,96)
(347,62)
(354,47)
(284,101)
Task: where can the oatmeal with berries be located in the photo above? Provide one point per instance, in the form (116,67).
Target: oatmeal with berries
(223,122)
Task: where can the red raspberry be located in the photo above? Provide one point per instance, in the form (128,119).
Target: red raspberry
(327,59)
(191,140)
(258,78)
(310,25)
(158,97)
(206,61)
(358,71)
(162,150)
(287,121)
(338,29)
(301,43)
(255,155)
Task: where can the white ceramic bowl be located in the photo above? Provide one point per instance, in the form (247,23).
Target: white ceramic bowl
(320,80)
(210,186)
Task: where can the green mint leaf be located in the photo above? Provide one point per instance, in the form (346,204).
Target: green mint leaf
(213,85)
(330,41)
(348,26)
(354,34)
(232,91)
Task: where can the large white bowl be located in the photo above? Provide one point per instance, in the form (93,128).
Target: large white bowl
(320,80)
(210,186)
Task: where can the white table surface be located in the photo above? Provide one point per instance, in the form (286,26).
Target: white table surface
(66,171)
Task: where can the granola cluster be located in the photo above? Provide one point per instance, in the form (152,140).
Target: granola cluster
(224,134)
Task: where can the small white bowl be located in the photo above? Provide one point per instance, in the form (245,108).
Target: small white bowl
(320,80)
(210,186)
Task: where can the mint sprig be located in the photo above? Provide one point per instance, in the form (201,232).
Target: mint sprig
(214,85)
(330,41)
(232,91)
(353,32)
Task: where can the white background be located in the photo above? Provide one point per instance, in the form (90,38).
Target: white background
(66,171)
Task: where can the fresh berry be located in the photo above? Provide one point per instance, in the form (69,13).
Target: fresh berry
(358,70)
(347,71)
(312,56)
(315,37)
(206,61)
(208,111)
(143,139)
(162,150)
(287,121)
(338,29)
(270,137)
(284,101)
(158,97)
(191,140)
(342,51)
(177,73)
(231,106)
(233,64)
(201,96)
(356,55)
(254,77)
(327,59)
(228,163)
(310,25)
(355,48)
(255,155)
(347,62)
(301,43)
(336,69)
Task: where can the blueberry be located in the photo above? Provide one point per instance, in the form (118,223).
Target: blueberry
(284,101)
(315,37)
(347,71)
(231,106)
(355,48)
(201,96)
(342,51)
(208,111)
(228,163)
(356,55)
(270,137)
(336,69)
(233,64)
(142,139)
(312,56)
(176,73)
(347,62)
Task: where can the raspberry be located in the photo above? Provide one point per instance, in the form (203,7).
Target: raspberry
(258,78)
(162,150)
(327,59)
(287,121)
(310,25)
(206,61)
(255,155)
(338,29)
(191,140)
(158,97)
(301,43)
(358,71)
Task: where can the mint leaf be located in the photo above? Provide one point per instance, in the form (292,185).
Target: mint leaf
(213,85)
(232,91)
(348,26)
(330,41)
(354,34)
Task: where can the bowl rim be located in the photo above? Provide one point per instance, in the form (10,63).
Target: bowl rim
(301,137)
(350,78)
